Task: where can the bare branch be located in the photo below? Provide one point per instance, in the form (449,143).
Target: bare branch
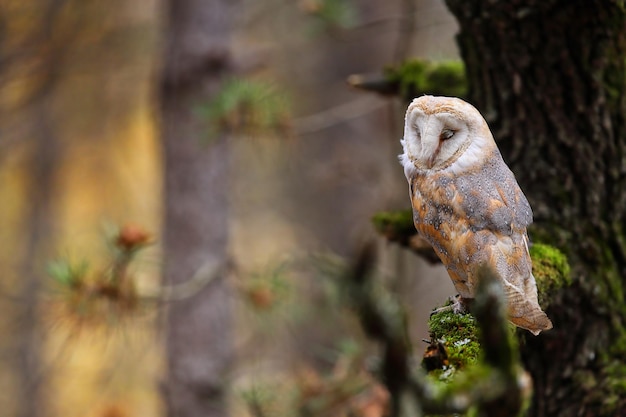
(337,115)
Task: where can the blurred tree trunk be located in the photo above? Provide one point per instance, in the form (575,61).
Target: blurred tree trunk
(549,77)
(199,334)
(41,187)
(38,225)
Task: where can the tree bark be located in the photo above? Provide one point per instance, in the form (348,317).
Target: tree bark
(199,331)
(549,77)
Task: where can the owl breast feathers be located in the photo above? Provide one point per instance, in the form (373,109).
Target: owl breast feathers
(467,203)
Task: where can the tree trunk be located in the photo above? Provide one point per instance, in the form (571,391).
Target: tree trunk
(549,77)
(41,192)
(38,219)
(199,333)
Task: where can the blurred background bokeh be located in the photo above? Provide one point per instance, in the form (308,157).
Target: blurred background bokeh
(81,157)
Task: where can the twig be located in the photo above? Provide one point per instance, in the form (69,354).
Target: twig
(202,277)
(376,83)
(336,115)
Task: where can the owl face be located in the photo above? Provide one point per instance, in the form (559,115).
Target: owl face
(443,133)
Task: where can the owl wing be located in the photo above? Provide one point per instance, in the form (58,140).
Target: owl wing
(499,213)
(493,200)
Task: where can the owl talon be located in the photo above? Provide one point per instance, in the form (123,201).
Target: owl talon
(443,309)
(458,305)
(462,305)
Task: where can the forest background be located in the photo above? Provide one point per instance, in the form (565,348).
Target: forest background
(81,156)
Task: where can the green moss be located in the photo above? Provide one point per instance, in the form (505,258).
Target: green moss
(248,107)
(396,226)
(459,335)
(614,372)
(607,277)
(416,77)
(551,270)
(483,366)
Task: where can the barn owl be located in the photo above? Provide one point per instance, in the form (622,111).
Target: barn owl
(467,203)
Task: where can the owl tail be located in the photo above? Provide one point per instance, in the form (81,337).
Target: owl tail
(525,312)
(535,323)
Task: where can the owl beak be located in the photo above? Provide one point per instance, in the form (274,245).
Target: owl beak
(431,161)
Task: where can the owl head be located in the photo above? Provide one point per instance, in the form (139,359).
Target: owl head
(443,133)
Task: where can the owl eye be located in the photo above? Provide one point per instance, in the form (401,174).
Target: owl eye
(447,134)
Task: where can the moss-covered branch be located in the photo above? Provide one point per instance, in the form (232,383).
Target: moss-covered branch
(497,386)
(397,226)
(414,78)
